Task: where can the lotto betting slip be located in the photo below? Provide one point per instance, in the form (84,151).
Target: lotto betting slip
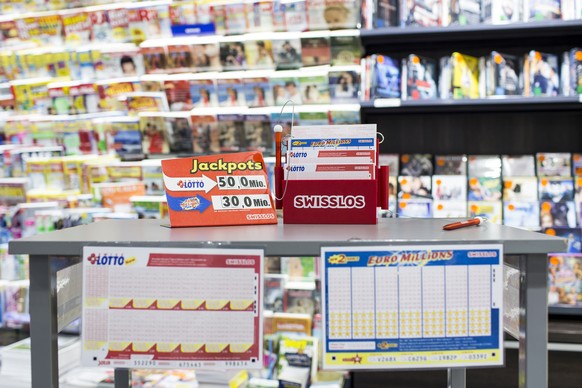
(172,308)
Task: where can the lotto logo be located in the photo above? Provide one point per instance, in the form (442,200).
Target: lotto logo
(105,259)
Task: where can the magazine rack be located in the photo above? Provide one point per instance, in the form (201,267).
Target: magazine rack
(332,201)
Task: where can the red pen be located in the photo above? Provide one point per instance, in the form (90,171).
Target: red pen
(463,224)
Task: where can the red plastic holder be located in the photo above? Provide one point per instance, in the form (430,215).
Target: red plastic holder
(332,201)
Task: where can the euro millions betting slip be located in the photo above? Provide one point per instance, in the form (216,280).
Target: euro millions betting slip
(329,152)
(401,307)
(229,189)
(172,308)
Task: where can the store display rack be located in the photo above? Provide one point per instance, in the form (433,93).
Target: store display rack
(542,33)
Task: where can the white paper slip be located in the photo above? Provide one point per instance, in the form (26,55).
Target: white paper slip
(314,171)
(334,131)
(340,156)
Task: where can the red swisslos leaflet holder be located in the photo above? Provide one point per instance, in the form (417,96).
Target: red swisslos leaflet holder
(356,201)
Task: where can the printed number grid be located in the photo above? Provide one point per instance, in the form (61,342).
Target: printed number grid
(410,312)
(339,303)
(456,301)
(387,325)
(480,300)
(97,283)
(363,303)
(433,301)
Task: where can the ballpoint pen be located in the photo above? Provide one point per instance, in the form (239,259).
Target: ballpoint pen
(463,224)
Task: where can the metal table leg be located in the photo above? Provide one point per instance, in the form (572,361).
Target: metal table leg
(456,377)
(122,377)
(533,321)
(43,323)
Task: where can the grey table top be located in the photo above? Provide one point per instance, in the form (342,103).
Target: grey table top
(281,239)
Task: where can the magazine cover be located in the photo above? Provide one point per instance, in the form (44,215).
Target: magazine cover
(274,292)
(123,137)
(485,166)
(502,11)
(578,198)
(178,95)
(386,13)
(543,9)
(465,76)
(154,134)
(449,187)
(522,188)
(287,54)
(464,12)
(235,20)
(84,98)
(144,23)
(206,57)
(449,209)
(109,91)
(259,54)
(260,16)
(299,298)
(119,25)
(77,28)
(392,161)
(420,13)
(573,235)
(415,208)
(231,133)
(518,165)
(285,89)
(231,92)
(572,70)
(42,30)
(577,164)
(522,214)
(179,133)
(137,102)
(541,77)
(316,51)
(492,210)
(450,165)
(559,214)
(155,59)
(101,29)
(554,164)
(258,133)
(290,15)
(205,137)
(414,187)
(484,189)
(565,280)
(203,93)
(182,13)
(217,9)
(386,82)
(180,59)
(342,117)
(232,56)
(416,164)
(344,86)
(419,78)
(345,50)
(556,189)
(258,92)
(332,14)
(314,89)
(119,61)
(502,75)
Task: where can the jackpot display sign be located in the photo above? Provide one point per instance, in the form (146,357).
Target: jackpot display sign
(228,189)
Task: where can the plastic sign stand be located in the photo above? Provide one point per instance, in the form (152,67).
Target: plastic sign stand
(228,189)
